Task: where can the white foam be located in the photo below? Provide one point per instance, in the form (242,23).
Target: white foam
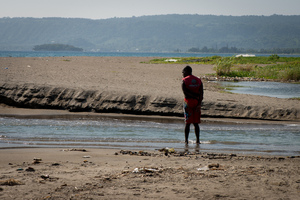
(201,142)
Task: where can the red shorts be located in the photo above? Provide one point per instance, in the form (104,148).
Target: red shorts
(192,112)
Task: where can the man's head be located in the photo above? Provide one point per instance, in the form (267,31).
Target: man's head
(187,71)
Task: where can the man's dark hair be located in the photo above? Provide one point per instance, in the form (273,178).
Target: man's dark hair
(188,69)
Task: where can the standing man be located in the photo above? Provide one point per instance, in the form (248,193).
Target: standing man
(192,88)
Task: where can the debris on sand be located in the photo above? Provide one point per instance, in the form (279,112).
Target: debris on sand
(11,182)
(146,170)
(140,153)
(83,150)
(30,169)
(37,160)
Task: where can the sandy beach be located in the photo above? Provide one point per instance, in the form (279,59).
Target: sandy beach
(99,86)
(114,174)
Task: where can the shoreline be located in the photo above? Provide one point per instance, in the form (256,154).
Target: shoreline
(23,113)
(14,112)
(192,149)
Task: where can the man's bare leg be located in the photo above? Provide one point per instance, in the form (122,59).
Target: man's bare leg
(197,133)
(187,132)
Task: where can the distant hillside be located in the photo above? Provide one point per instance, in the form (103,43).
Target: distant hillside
(153,33)
(56,47)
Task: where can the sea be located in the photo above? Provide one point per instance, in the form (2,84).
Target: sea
(143,133)
(119,54)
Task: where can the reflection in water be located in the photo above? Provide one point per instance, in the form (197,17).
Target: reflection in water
(271,89)
(195,148)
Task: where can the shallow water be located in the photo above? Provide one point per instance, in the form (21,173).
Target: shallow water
(271,89)
(143,135)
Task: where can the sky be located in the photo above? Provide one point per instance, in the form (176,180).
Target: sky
(103,9)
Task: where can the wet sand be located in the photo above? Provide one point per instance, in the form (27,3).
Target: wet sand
(9,111)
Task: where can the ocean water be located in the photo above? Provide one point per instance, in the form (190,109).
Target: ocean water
(113,54)
(148,135)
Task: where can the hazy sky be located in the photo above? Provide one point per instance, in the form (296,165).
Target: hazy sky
(102,9)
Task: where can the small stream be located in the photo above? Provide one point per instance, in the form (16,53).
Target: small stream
(270,89)
(139,134)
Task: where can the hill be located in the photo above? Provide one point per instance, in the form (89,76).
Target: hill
(56,47)
(153,33)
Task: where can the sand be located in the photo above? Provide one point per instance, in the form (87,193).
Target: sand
(125,85)
(62,173)
(111,174)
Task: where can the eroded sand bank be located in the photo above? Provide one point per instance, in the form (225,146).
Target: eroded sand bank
(124,85)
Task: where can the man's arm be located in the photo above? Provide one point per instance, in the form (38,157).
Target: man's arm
(201,93)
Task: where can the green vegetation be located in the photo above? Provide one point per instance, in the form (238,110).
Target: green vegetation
(224,65)
(295,98)
(242,50)
(56,47)
(187,60)
(288,69)
(273,59)
(272,67)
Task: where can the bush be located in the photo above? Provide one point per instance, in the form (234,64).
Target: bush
(273,57)
(292,72)
(224,65)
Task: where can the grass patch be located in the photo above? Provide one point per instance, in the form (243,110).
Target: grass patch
(279,68)
(273,59)
(295,98)
(285,71)
(186,60)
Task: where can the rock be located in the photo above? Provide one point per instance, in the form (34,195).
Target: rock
(37,160)
(30,169)
(214,165)
(55,164)
(45,176)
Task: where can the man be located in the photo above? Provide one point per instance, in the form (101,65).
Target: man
(192,88)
